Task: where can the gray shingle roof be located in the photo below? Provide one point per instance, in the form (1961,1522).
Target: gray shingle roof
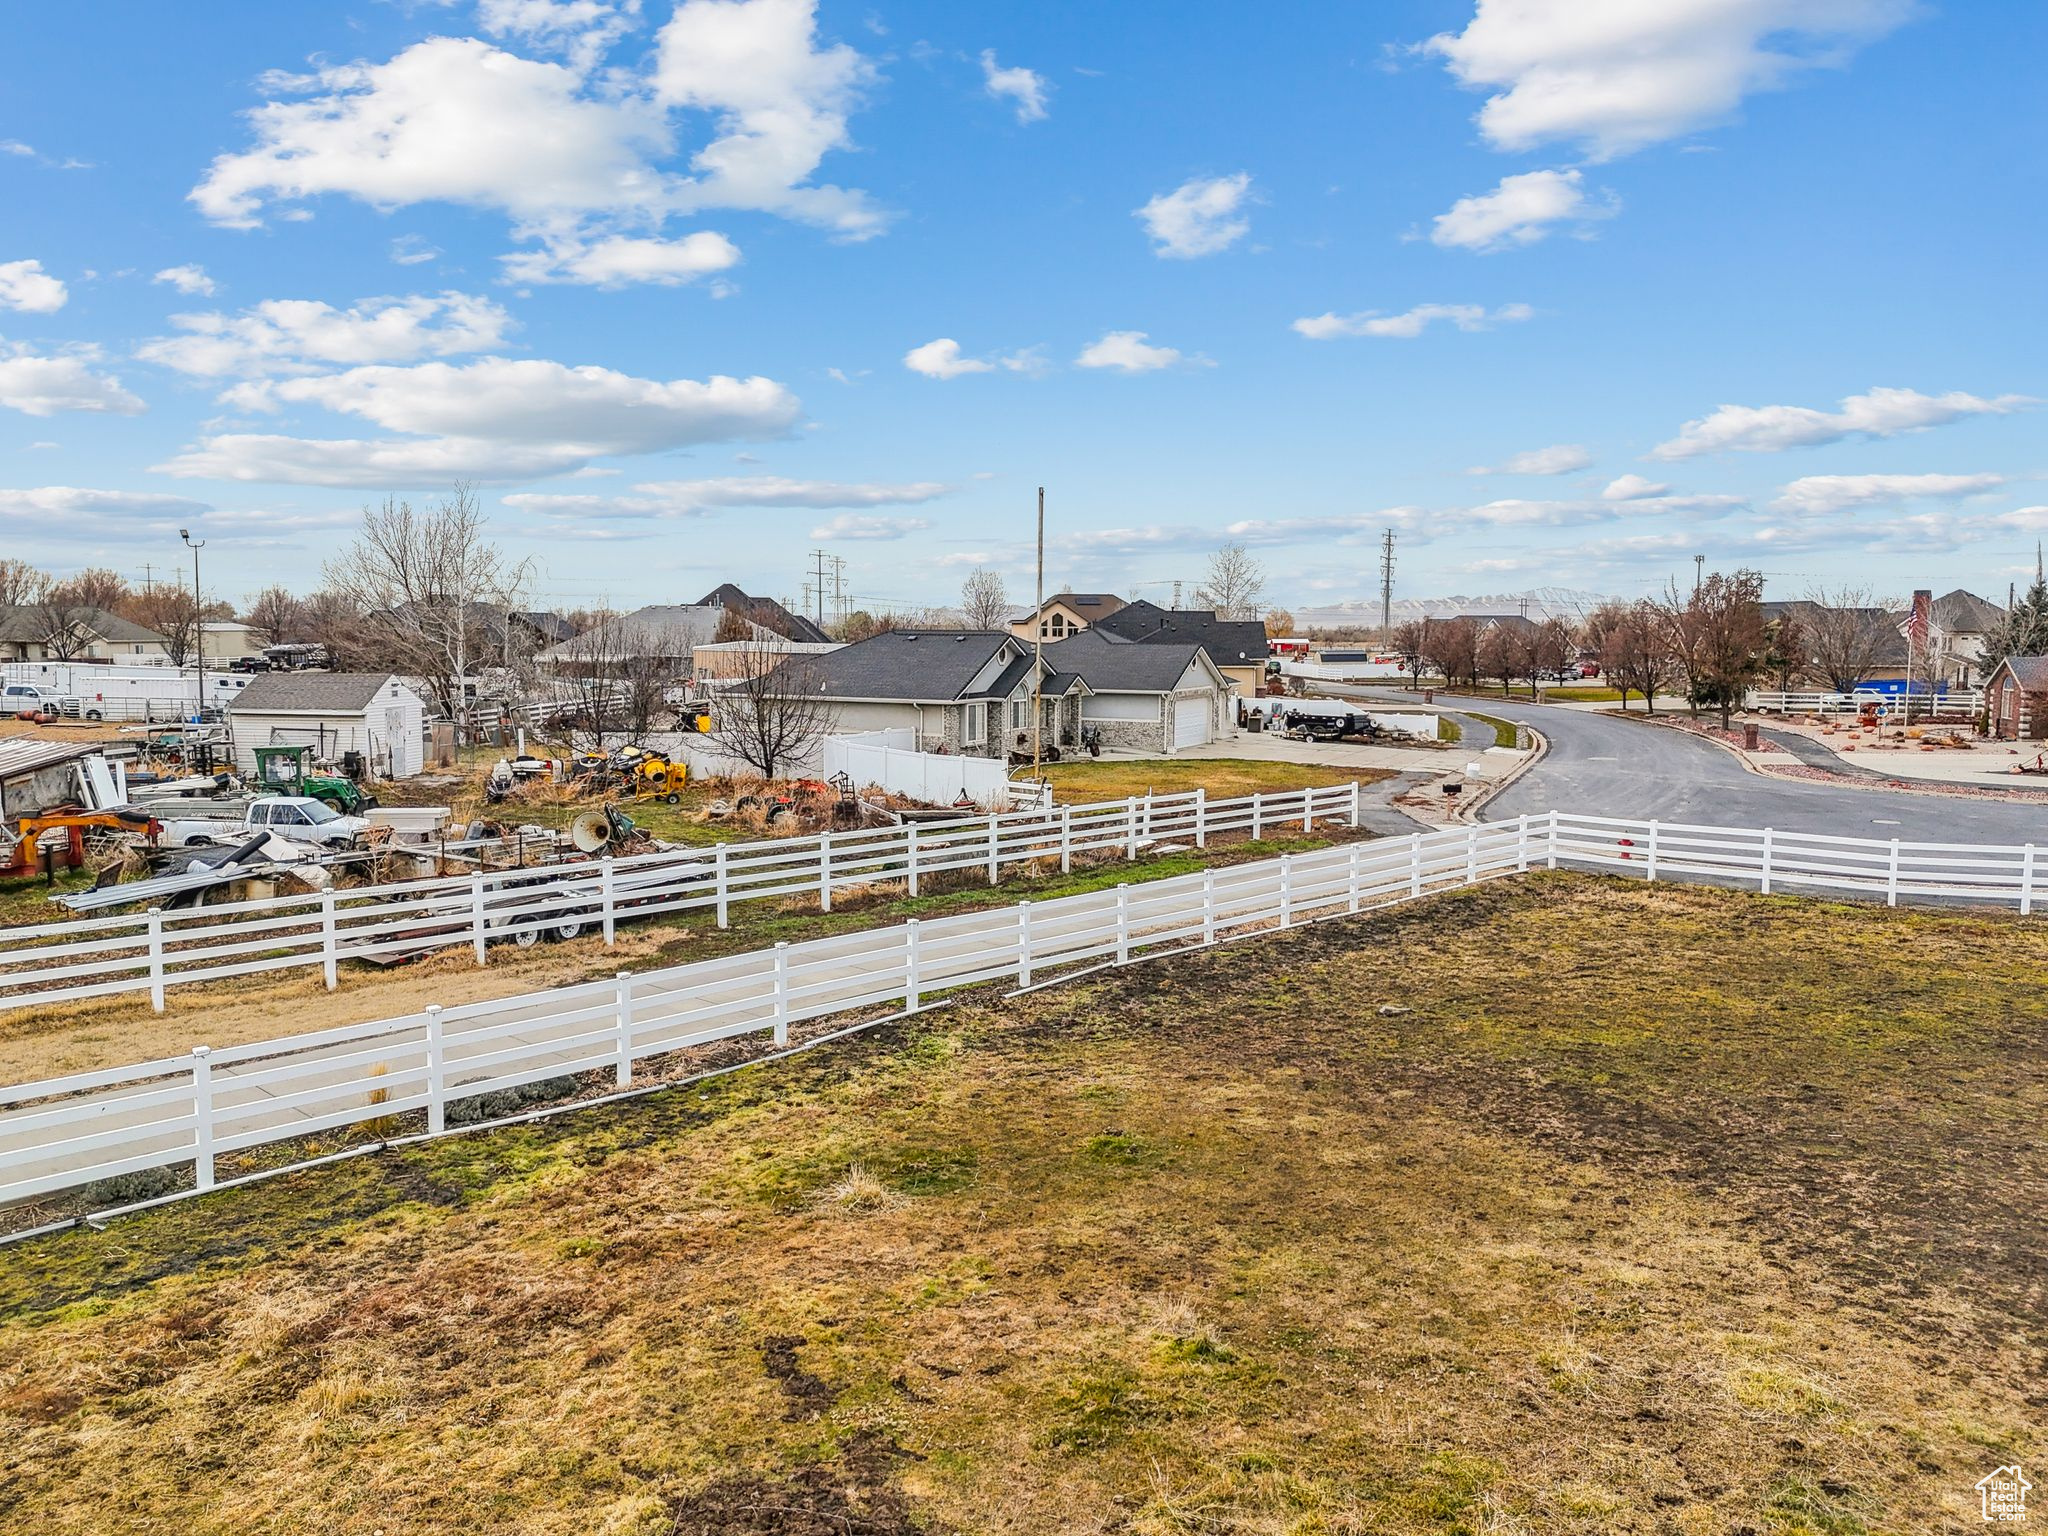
(309,692)
(32,622)
(1229,642)
(1965,613)
(1112,664)
(2030,672)
(926,666)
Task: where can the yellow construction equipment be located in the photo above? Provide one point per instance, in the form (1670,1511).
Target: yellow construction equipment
(656,776)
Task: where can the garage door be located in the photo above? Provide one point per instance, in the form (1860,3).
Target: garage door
(1190,722)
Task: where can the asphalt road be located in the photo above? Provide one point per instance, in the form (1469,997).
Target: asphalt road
(1601,766)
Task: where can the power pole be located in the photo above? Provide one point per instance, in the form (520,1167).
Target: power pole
(1038,646)
(839,589)
(1699,568)
(1387,587)
(1176,594)
(818,558)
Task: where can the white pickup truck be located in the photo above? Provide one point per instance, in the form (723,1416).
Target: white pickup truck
(296,818)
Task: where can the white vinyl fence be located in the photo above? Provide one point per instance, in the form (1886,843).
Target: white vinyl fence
(163,948)
(890,759)
(1956,701)
(194,1109)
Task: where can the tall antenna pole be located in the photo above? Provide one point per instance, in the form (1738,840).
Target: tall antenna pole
(1699,573)
(1387,587)
(1038,646)
(818,588)
(1176,594)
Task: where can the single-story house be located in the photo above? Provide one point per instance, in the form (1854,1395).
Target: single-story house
(723,662)
(954,690)
(1064,614)
(42,632)
(1146,696)
(1237,646)
(370,713)
(226,640)
(2016,698)
(766,612)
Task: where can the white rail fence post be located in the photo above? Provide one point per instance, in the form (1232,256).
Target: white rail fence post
(1066,839)
(437,1092)
(1308,811)
(1522,845)
(1257,809)
(1148,815)
(476,915)
(722,887)
(1286,890)
(623,1073)
(1201,817)
(912,967)
(1024,943)
(610,909)
(202,1117)
(910,856)
(1763,874)
(2027,880)
(1123,924)
(1472,854)
(1208,906)
(782,991)
(1891,879)
(156,958)
(1415,864)
(995,844)
(330,945)
(1552,840)
(1354,876)
(1131,827)
(824,871)
(1357,808)
(1651,857)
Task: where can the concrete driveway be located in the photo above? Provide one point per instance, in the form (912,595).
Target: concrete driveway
(1599,765)
(1273,747)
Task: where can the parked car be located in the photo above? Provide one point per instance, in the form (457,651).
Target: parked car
(249,664)
(31,699)
(296,818)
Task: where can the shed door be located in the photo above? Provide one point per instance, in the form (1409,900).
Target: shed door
(1190,722)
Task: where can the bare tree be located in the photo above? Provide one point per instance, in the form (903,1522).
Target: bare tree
(169,611)
(1508,655)
(1235,583)
(1410,642)
(331,620)
(1790,642)
(1682,642)
(1279,624)
(1733,643)
(771,715)
(592,670)
(1849,632)
(422,581)
(273,616)
(96,588)
(983,602)
(1452,647)
(1552,648)
(733,627)
(1635,649)
(61,625)
(20,583)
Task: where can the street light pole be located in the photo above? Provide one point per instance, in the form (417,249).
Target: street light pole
(198,614)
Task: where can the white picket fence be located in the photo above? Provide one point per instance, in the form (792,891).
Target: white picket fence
(169,947)
(1956,701)
(193,1110)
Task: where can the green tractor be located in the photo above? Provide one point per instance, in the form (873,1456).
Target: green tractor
(289,771)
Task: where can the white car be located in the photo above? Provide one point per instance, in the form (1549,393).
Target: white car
(296,818)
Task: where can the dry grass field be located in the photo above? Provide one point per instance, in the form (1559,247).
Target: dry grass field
(1561,1205)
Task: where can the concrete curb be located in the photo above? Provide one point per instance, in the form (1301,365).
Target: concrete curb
(1468,810)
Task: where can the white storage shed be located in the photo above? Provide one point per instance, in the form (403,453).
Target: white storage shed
(334,713)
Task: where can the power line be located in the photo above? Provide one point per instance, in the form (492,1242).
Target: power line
(1387,587)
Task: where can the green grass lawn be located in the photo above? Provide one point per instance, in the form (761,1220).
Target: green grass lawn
(1416,1224)
(1505,732)
(1583,695)
(1223,777)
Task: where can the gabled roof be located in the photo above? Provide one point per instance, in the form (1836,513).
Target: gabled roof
(1112,664)
(2030,672)
(662,629)
(310,693)
(920,666)
(1514,623)
(792,626)
(33,622)
(1229,642)
(1092,606)
(1965,613)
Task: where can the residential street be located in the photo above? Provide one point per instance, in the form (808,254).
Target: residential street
(1603,766)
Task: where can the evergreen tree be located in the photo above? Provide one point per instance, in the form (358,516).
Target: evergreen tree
(2023,629)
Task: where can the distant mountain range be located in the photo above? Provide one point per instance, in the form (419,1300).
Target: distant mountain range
(1537,603)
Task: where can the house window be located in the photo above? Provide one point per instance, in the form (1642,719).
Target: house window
(973,724)
(1016,714)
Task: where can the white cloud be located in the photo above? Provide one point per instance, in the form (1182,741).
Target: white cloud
(1821,494)
(1559,459)
(694,498)
(1616,75)
(1632,488)
(781,104)
(493,420)
(566,151)
(1026,87)
(48,503)
(1882,412)
(16,147)
(616,260)
(190,278)
(579,29)
(1520,211)
(855,525)
(942,359)
(38,384)
(1199,217)
(304,335)
(411,250)
(1128,352)
(1410,323)
(25,286)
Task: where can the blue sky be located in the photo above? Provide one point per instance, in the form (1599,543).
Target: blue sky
(689,290)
